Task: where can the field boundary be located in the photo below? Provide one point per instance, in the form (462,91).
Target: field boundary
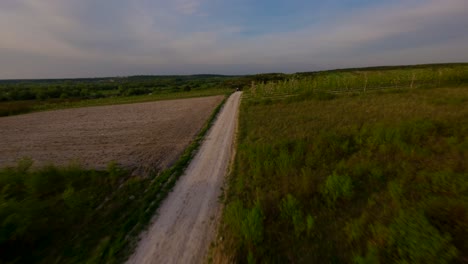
(32,106)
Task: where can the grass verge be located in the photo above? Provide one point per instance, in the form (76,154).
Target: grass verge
(73,215)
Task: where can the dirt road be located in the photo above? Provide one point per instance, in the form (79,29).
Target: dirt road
(185,224)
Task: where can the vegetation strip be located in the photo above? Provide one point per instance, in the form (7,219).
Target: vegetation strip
(9,108)
(357,81)
(57,215)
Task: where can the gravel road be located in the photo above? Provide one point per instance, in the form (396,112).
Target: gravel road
(185,224)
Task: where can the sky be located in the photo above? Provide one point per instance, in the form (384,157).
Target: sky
(97,38)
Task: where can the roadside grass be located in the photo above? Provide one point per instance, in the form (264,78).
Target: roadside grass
(74,215)
(21,107)
(375,177)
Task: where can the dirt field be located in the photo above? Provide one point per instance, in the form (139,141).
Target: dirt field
(136,136)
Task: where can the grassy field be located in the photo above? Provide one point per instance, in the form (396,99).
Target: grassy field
(358,177)
(26,106)
(75,215)
(361,80)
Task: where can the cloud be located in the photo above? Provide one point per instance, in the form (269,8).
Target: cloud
(363,34)
(58,38)
(188,7)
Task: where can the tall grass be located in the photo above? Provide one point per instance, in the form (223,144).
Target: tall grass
(367,178)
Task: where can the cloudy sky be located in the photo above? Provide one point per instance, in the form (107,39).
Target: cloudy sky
(90,38)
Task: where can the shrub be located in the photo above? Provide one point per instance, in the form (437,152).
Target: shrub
(234,215)
(46,181)
(414,240)
(354,229)
(291,212)
(449,215)
(371,257)
(310,224)
(419,130)
(448,182)
(252,226)
(337,187)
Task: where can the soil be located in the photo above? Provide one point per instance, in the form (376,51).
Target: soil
(186,222)
(139,137)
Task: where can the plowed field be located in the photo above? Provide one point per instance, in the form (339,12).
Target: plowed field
(138,137)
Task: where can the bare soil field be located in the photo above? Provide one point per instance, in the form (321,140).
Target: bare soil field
(138,137)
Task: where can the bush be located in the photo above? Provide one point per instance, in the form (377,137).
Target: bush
(414,240)
(45,182)
(448,182)
(252,226)
(371,257)
(234,215)
(290,211)
(337,187)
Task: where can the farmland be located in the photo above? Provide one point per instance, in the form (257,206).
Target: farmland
(94,176)
(329,170)
(138,137)
(357,165)
(24,96)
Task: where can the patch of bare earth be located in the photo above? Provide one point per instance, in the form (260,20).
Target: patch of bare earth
(139,136)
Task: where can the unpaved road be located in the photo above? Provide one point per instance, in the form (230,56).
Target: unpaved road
(139,136)
(185,224)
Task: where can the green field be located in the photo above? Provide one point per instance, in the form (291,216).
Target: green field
(329,173)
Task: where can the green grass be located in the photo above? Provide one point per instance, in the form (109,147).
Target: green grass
(74,215)
(21,107)
(375,177)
